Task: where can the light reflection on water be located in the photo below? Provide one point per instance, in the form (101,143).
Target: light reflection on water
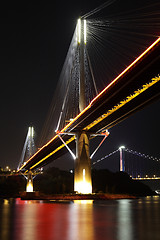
(111,220)
(124,214)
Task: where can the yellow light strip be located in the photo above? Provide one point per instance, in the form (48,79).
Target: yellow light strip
(56,150)
(145,178)
(123,102)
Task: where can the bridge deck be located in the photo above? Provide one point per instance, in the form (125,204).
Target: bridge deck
(129,92)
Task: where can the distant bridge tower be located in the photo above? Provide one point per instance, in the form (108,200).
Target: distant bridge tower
(29,147)
(122,165)
(82,174)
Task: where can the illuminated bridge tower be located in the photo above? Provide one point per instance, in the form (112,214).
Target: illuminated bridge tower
(82,174)
(28,151)
(28,148)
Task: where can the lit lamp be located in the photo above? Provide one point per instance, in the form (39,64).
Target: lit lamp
(29,186)
(83,186)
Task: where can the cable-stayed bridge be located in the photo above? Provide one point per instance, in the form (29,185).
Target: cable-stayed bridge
(82,107)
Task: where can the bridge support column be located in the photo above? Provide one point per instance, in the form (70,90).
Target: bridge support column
(82,170)
(29,186)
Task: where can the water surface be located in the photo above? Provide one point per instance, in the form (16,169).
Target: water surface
(110,220)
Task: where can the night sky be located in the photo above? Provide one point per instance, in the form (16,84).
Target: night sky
(34,41)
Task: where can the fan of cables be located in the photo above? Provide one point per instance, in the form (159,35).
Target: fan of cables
(117,34)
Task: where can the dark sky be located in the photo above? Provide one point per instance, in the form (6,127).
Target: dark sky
(34,41)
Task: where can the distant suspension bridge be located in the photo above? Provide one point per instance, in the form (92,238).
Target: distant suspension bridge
(138,165)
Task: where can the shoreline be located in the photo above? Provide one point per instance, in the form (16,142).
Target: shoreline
(60,197)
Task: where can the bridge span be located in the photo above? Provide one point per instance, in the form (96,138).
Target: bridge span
(137,86)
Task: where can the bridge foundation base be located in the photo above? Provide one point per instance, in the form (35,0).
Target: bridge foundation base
(29,195)
(82,169)
(29,186)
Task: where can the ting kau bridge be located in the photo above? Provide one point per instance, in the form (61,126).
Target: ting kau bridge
(89,112)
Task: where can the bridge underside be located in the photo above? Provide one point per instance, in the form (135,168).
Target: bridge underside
(134,89)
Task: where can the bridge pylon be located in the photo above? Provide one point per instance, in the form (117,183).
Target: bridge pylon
(82,168)
(82,164)
(29,147)
(81,45)
(29,185)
